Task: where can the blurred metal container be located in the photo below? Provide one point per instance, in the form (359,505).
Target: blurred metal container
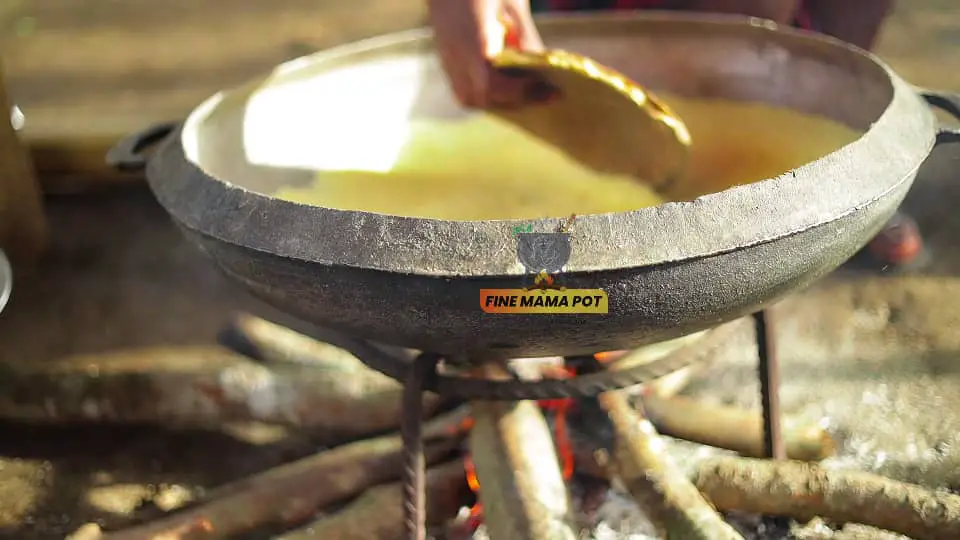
(6,280)
(23,227)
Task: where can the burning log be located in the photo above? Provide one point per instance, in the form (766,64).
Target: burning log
(667,497)
(803,491)
(378,513)
(522,490)
(291,493)
(730,428)
(204,386)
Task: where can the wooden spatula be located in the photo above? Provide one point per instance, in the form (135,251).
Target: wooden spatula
(601,118)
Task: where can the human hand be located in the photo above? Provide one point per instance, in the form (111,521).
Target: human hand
(469,33)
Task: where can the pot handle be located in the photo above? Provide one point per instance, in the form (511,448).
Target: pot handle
(949,103)
(127,155)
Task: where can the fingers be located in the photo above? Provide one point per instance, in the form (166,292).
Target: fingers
(512,89)
(459,76)
(528,36)
(468,34)
(481,86)
(509,90)
(459,45)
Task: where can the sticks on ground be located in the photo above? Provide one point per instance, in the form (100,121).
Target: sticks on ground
(802,491)
(664,493)
(293,492)
(204,386)
(275,344)
(731,428)
(378,513)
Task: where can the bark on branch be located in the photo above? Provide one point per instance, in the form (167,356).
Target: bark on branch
(205,386)
(803,491)
(667,497)
(378,512)
(291,493)
(731,428)
(522,489)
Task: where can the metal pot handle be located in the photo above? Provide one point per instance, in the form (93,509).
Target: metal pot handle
(127,155)
(949,103)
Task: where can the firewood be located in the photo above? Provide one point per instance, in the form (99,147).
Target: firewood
(275,344)
(730,428)
(665,495)
(23,225)
(817,529)
(378,513)
(203,386)
(291,493)
(522,490)
(803,491)
(88,531)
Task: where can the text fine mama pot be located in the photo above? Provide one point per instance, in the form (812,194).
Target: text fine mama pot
(668,270)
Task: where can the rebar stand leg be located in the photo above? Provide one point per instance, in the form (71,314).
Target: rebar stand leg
(411,428)
(769,371)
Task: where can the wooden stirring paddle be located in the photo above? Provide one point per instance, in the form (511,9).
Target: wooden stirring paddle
(601,118)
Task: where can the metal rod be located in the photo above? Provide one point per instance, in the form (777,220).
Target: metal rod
(411,432)
(769,371)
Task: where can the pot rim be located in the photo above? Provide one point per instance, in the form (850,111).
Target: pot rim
(852,177)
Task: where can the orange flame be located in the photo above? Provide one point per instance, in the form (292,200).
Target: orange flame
(476,511)
(560,408)
(609,356)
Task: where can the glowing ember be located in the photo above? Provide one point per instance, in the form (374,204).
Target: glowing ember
(564,447)
(609,356)
(476,511)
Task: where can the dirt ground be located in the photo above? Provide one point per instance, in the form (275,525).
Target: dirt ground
(120,275)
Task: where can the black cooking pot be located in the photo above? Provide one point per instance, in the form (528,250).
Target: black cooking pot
(668,271)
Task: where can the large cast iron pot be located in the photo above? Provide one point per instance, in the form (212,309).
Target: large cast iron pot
(669,271)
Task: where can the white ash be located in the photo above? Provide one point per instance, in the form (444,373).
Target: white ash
(610,515)
(887,388)
(817,530)
(894,414)
(602,512)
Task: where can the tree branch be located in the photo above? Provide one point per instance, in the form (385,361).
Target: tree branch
(666,496)
(803,491)
(292,493)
